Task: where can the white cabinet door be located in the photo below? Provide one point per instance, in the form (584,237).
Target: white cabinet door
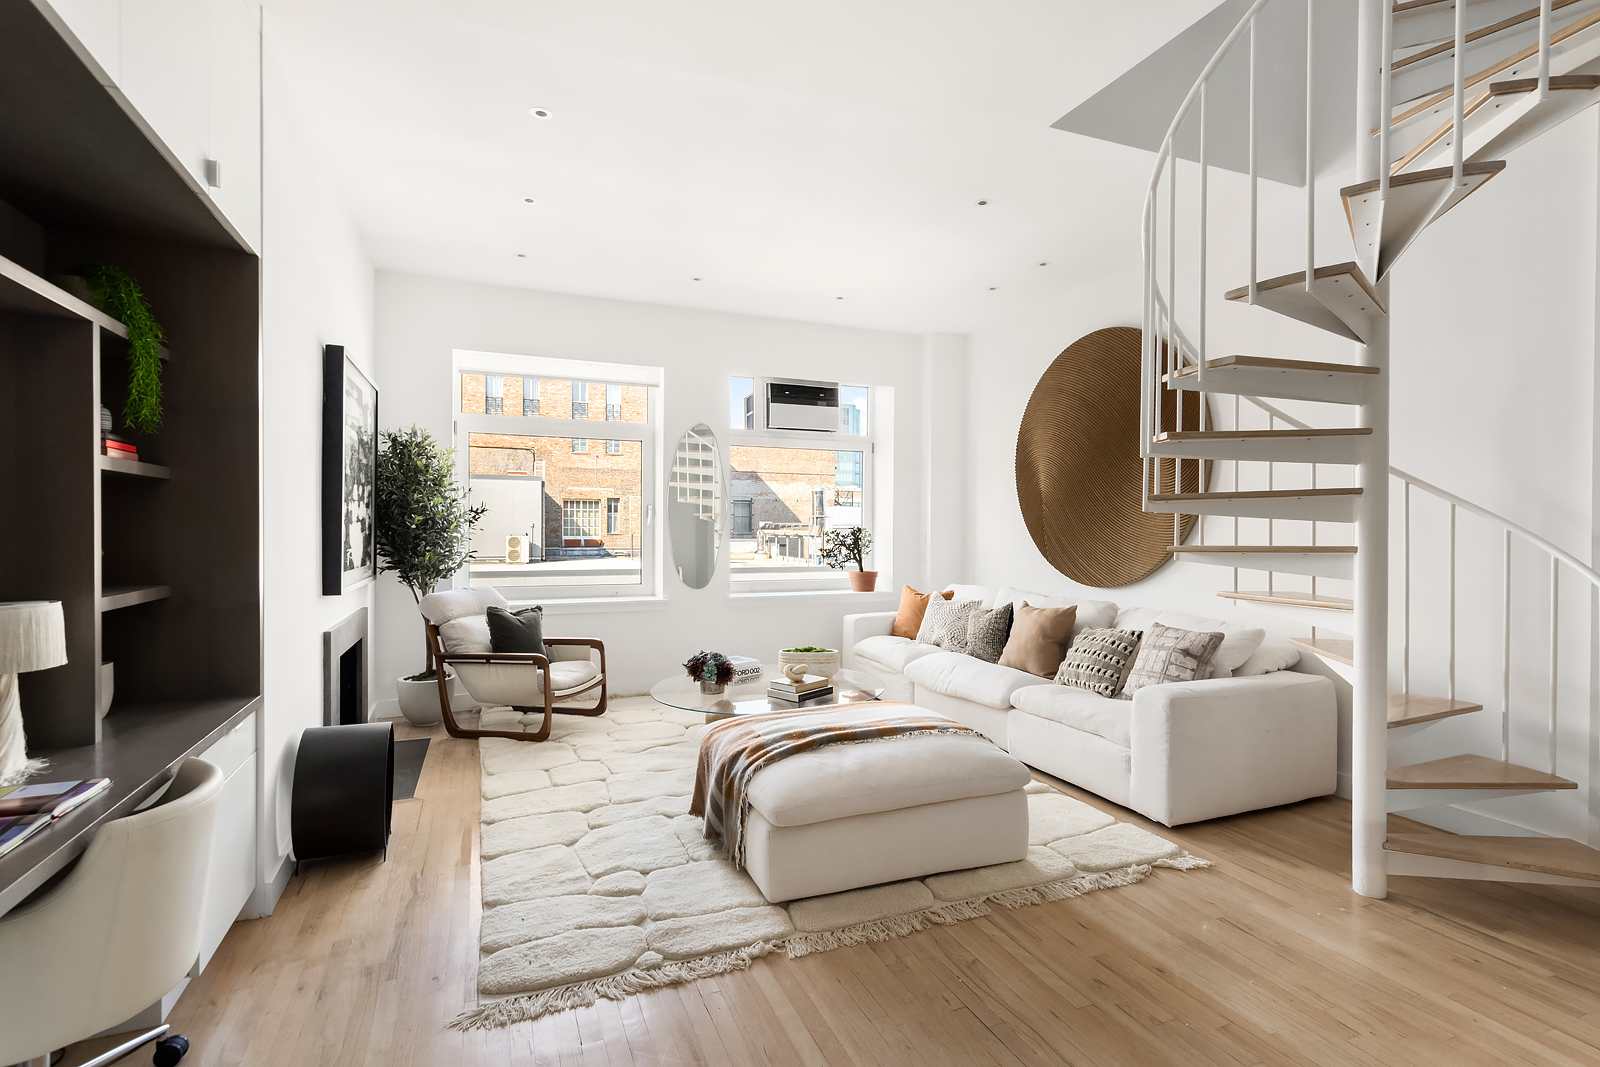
(236,114)
(233,851)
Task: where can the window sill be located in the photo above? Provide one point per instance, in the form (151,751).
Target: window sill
(591,605)
(850,595)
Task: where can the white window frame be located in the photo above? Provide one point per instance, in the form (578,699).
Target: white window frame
(647,433)
(815,579)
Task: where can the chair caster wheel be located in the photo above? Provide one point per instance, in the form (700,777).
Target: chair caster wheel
(169,1050)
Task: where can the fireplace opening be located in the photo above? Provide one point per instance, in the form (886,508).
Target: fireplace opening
(344,671)
(352,662)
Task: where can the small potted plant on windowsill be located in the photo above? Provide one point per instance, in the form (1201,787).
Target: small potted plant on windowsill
(851,545)
(423,527)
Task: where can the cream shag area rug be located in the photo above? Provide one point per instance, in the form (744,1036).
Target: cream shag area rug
(598,883)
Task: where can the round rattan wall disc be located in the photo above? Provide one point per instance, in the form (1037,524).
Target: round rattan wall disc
(1078,466)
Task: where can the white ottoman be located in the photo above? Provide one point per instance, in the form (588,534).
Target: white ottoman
(847,816)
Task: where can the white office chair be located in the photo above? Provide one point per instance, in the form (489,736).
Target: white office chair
(118,932)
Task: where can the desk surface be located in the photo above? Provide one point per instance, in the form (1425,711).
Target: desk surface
(140,748)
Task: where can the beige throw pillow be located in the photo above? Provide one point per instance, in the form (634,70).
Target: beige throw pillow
(1099,660)
(1038,639)
(1169,654)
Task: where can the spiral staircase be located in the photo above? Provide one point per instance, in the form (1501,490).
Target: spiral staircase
(1446,92)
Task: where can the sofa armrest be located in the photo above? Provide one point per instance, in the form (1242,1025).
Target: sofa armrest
(858,627)
(1217,747)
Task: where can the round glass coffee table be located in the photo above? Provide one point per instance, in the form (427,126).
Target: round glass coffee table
(750,698)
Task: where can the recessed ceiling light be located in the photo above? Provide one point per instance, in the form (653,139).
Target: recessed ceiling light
(539,112)
(838,298)
(522,255)
(983,203)
(1046,263)
(992,288)
(697,279)
(531,200)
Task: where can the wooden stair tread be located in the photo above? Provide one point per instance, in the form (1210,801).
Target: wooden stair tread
(1260,435)
(1471,771)
(1557,81)
(1547,855)
(1408,709)
(1432,174)
(1299,600)
(1271,363)
(1337,649)
(1299,278)
(1255,494)
(1473,36)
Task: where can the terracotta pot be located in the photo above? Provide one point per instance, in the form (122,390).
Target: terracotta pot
(863,581)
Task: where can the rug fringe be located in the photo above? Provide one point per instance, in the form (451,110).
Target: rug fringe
(529,1006)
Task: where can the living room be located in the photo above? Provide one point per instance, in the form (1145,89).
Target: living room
(992,382)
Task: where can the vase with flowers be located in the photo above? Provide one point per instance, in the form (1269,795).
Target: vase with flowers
(712,670)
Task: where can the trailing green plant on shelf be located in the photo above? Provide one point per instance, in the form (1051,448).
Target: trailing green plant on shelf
(422,518)
(118,295)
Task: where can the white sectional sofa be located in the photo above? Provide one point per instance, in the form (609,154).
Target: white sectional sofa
(1176,753)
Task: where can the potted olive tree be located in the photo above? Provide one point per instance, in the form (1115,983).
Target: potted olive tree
(424,525)
(851,545)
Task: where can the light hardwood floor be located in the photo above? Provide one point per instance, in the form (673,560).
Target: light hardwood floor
(1267,958)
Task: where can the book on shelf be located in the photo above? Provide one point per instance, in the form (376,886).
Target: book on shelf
(119,449)
(809,683)
(52,799)
(745,669)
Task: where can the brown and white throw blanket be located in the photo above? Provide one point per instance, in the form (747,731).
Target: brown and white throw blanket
(732,751)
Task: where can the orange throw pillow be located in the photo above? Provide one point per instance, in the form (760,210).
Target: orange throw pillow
(913,606)
(1039,639)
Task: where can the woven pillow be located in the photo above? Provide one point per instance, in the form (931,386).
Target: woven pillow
(1169,654)
(1099,660)
(913,605)
(987,632)
(945,623)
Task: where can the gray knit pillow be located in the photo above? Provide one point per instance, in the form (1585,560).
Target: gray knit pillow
(1099,660)
(1169,654)
(987,632)
(945,623)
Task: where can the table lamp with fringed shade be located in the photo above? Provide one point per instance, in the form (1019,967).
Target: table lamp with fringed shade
(33,637)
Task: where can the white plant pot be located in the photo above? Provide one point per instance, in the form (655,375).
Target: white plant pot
(822,664)
(419,700)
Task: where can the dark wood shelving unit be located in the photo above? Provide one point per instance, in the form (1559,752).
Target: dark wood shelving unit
(136,467)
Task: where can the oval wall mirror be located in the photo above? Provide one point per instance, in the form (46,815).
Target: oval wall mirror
(694,505)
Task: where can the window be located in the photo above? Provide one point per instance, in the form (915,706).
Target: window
(742,403)
(583,506)
(785,500)
(494,394)
(613,402)
(580,520)
(743,524)
(853,410)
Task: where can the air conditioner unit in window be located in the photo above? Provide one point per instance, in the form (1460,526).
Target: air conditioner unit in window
(793,404)
(516,549)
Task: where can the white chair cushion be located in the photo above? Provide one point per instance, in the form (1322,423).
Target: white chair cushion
(843,780)
(1095,613)
(1080,709)
(890,654)
(440,608)
(522,684)
(468,633)
(1238,642)
(956,675)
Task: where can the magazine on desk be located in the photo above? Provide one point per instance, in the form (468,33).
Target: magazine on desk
(27,809)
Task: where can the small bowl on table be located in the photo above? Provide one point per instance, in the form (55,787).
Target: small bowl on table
(824,663)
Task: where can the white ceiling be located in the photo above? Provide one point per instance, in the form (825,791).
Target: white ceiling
(786,153)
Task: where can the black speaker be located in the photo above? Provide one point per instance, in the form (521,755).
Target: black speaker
(343,791)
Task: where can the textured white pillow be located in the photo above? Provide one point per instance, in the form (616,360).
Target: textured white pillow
(945,623)
(1266,659)
(469,633)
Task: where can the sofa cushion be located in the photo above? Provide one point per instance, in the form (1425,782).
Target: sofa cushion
(439,608)
(971,679)
(1080,709)
(913,605)
(838,781)
(1238,642)
(522,684)
(1266,659)
(945,623)
(1098,613)
(987,633)
(972,592)
(1100,660)
(890,654)
(1168,654)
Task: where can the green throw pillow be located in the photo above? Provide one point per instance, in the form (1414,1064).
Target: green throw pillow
(520,631)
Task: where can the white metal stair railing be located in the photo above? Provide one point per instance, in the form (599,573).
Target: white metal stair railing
(1348,300)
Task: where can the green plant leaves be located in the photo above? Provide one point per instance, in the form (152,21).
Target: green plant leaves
(118,295)
(422,517)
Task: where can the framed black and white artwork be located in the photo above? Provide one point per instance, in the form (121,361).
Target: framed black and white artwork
(349,472)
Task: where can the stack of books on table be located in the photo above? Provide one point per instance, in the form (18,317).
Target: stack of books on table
(112,445)
(807,689)
(745,669)
(27,809)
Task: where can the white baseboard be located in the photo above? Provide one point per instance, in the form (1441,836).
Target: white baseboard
(384,709)
(1345,789)
(265,898)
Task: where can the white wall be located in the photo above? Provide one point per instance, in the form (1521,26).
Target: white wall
(421,320)
(1493,396)
(316,290)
